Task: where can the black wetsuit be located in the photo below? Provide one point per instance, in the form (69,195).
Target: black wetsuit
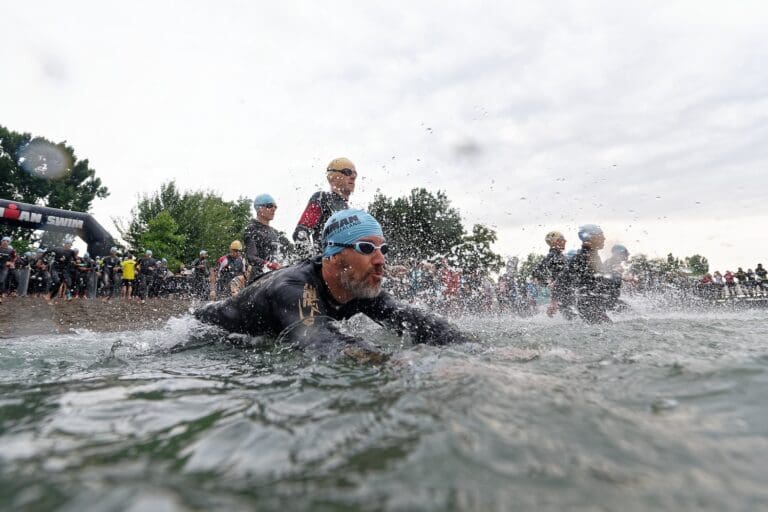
(109,276)
(583,284)
(550,267)
(614,272)
(761,273)
(40,277)
(263,244)
(295,304)
(319,209)
(86,267)
(147,275)
(6,255)
(63,259)
(200,276)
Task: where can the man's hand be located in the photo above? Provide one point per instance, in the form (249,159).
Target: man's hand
(365,354)
(272,265)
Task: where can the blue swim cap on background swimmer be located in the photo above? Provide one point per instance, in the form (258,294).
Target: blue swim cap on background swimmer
(619,249)
(570,254)
(347,227)
(262,199)
(587,231)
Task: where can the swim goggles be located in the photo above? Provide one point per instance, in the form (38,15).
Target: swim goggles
(362,247)
(345,172)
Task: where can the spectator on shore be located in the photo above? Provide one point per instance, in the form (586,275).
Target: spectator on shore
(128,268)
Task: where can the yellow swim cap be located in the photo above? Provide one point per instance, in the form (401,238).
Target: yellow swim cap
(236,245)
(552,237)
(338,164)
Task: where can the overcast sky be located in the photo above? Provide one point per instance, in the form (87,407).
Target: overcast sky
(649,118)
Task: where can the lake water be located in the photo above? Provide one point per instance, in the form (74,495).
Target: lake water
(662,410)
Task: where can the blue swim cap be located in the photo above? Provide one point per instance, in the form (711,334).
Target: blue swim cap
(587,231)
(262,199)
(570,254)
(619,249)
(347,227)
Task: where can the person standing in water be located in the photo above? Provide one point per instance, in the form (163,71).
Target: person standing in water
(582,283)
(614,268)
(550,267)
(341,175)
(264,245)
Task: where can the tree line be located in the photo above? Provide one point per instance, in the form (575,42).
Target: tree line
(177,224)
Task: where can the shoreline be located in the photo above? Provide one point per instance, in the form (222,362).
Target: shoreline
(27,316)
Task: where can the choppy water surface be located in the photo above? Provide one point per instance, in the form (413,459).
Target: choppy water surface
(659,411)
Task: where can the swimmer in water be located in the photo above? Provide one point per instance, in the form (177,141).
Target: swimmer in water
(300,303)
(583,283)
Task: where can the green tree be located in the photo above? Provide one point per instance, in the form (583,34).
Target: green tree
(474,254)
(421,225)
(697,264)
(526,268)
(37,171)
(671,264)
(203,218)
(162,237)
(640,265)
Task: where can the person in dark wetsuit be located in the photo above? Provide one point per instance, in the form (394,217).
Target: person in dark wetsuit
(7,257)
(146,278)
(614,268)
(109,274)
(40,277)
(341,175)
(583,283)
(550,267)
(201,275)
(85,268)
(299,303)
(264,245)
(760,278)
(63,260)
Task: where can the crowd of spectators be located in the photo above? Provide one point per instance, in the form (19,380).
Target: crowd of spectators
(65,274)
(739,284)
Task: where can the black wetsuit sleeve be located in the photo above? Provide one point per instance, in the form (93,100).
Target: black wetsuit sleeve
(424,327)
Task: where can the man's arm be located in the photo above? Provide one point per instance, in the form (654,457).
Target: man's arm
(423,326)
(308,220)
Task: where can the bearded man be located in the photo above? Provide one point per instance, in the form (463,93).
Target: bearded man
(300,303)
